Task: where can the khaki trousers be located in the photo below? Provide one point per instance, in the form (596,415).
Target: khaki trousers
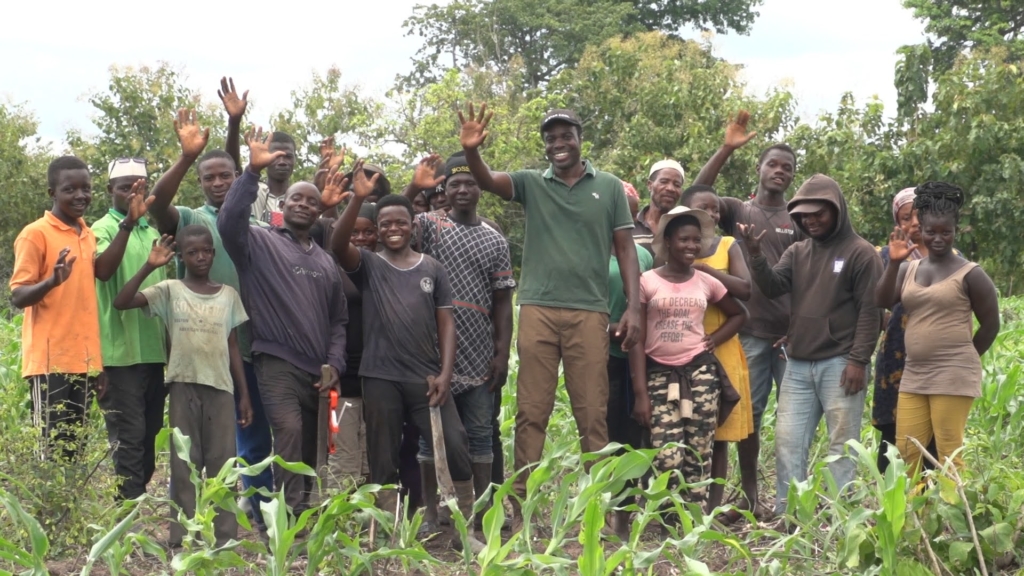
(927,416)
(579,340)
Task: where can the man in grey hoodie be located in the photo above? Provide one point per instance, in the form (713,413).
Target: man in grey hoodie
(834,325)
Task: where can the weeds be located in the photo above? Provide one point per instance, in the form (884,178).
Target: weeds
(884,524)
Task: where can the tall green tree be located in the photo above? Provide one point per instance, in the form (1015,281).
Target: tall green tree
(23,162)
(326,107)
(955,28)
(652,96)
(134,117)
(547,36)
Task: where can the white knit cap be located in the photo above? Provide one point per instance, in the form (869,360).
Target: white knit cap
(667,164)
(127,167)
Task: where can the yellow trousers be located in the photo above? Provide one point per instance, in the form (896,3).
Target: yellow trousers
(927,416)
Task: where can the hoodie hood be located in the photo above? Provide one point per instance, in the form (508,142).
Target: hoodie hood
(821,188)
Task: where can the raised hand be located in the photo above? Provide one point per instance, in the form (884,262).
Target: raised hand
(192,138)
(162,252)
(362,186)
(331,157)
(137,201)
(752,240)
(474,130)
(900,245)
(62,269)
(736,135)
(423,178)
(260,155)
(234,105)
(334,190)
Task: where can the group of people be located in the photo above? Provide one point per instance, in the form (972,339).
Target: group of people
(670,322)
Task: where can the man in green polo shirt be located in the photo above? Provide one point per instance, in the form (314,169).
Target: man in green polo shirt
(574,213)
(134,350)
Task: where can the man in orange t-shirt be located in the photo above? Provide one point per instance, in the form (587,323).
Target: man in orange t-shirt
(54,281)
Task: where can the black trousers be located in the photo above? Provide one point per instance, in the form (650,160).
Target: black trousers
(291,404)
(386,406)
(498,464)
(133,408)
(58,411)
(622,428)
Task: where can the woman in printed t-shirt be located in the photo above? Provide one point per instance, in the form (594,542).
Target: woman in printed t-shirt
(685,382)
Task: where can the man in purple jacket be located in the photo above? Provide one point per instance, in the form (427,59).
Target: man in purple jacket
(293,292)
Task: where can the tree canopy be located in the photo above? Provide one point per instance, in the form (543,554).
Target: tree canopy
(643,96)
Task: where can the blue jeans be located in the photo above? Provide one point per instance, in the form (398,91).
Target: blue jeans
(810,390)
(254,444)
(765,364)
(476,410)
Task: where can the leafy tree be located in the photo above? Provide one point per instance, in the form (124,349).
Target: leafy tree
(23,164)
(957,26)
(543,36)
(325,108)
(671,15)
(651,96)
(134,117)
(547,36)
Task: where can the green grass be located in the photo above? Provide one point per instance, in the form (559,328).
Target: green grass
(64,519)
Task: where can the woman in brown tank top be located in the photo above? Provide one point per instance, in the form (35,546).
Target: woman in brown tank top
(940,293)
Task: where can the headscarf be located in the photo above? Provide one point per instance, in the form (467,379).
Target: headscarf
(630,190)
(904,197)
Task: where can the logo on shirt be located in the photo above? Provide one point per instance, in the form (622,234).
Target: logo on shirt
(784,231)
(837,266)
(427,285)
(595,195)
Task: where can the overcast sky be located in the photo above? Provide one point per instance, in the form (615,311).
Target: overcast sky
(818,49)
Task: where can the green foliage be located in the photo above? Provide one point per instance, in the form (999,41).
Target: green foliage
(959,26)
(23,171)
(134,118)
(539,38)
(883,524)
(650,97)
(327,108)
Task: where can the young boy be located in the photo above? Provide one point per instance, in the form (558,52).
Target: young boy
(60,335)
(216,170)
(204,367)
(408,301)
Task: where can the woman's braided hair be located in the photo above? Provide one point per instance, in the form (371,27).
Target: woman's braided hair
(938,199)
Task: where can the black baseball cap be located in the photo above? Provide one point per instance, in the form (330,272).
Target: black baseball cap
(561,115)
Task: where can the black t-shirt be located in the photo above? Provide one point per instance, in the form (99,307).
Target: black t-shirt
(350,387)
(399,317)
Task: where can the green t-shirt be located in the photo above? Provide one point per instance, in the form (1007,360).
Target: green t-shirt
(223,269)
(568,237)
(617,294)
(199,326)
(128,337)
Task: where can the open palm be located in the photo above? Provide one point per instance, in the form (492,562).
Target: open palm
(474,129)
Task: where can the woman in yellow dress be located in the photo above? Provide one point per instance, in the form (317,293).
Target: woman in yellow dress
(726,263)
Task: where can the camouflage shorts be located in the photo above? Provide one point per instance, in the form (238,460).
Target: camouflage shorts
(695,435)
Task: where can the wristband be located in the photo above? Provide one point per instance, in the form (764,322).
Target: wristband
(124,225)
